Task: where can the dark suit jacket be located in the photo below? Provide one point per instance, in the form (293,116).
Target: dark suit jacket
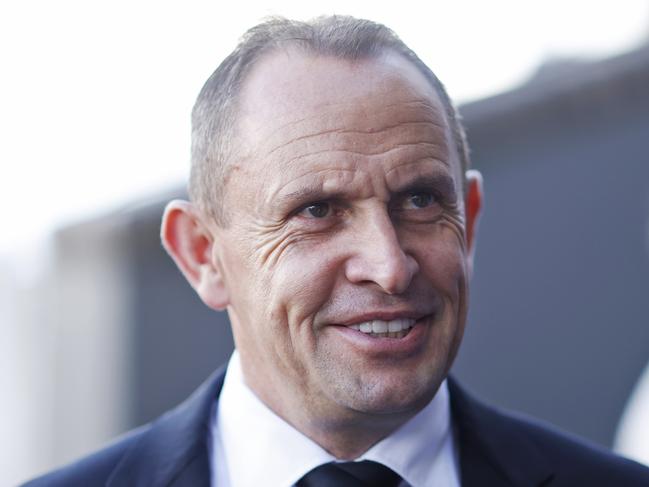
(496,449)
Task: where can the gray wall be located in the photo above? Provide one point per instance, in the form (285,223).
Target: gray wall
(560,303)
(177,340)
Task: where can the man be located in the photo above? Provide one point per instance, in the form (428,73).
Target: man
(333,216)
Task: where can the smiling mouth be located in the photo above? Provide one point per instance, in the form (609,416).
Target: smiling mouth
(398,328)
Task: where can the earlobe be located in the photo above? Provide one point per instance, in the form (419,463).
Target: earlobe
(472,207)
(187,239)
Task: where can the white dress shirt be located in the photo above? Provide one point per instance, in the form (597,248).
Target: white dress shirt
(252,446)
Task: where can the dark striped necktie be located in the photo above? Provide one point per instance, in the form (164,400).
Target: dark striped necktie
(350,474)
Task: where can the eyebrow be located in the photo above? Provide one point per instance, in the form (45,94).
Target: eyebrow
(441,182)
(308,194)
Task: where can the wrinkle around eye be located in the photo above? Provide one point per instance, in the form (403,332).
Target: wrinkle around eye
(274,248)
(455,222)
(273,239)
(270,241)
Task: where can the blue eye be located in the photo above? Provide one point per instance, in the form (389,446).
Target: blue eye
(317,210)
(420,200)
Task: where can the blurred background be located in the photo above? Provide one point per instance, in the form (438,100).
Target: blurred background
(98,330)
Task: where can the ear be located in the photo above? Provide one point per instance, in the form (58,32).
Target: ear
(189,242)
(472,208)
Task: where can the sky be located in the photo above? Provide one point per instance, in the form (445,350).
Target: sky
(96,96)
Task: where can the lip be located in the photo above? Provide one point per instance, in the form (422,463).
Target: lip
(382,315)
(394,347)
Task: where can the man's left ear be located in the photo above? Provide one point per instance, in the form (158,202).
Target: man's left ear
(188,240)
(472,207)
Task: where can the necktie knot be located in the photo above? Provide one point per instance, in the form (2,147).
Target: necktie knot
(350,474)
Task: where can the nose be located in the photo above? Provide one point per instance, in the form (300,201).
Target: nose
(378,257)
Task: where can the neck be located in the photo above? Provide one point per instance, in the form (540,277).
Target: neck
(348,440)
(343,432)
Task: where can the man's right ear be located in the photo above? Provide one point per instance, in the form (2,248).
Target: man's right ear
(188,240)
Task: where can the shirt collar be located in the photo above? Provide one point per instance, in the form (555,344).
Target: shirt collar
(422,451)
(246,432)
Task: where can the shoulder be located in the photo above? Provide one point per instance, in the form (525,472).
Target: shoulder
(173,445)
(92,470)
(518,444)
(575,459)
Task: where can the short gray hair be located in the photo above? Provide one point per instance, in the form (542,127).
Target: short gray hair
(214,114)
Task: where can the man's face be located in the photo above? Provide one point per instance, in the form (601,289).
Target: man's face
(345,215)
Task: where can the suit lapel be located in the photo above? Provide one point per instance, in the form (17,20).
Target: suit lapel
(492,450)
(173,452)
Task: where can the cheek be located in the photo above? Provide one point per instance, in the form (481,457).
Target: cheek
(299,286)
(303,280)
(444,262)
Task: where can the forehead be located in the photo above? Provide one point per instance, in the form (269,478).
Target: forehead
(302,111)
(288,85)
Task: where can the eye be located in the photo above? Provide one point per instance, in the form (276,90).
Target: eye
(419,199)
(317,210)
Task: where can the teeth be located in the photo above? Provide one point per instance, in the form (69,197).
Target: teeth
(389,329)
(379,326)
(397,325)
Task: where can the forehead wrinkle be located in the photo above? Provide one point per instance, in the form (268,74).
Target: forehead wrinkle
(424,137)
(382,154)
(418,111)
(342,131)
(317,112)
(422,103)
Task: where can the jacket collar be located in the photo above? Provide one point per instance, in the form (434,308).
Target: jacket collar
(493,450)
(174,451)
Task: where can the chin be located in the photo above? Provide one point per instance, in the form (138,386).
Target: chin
(393,395)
